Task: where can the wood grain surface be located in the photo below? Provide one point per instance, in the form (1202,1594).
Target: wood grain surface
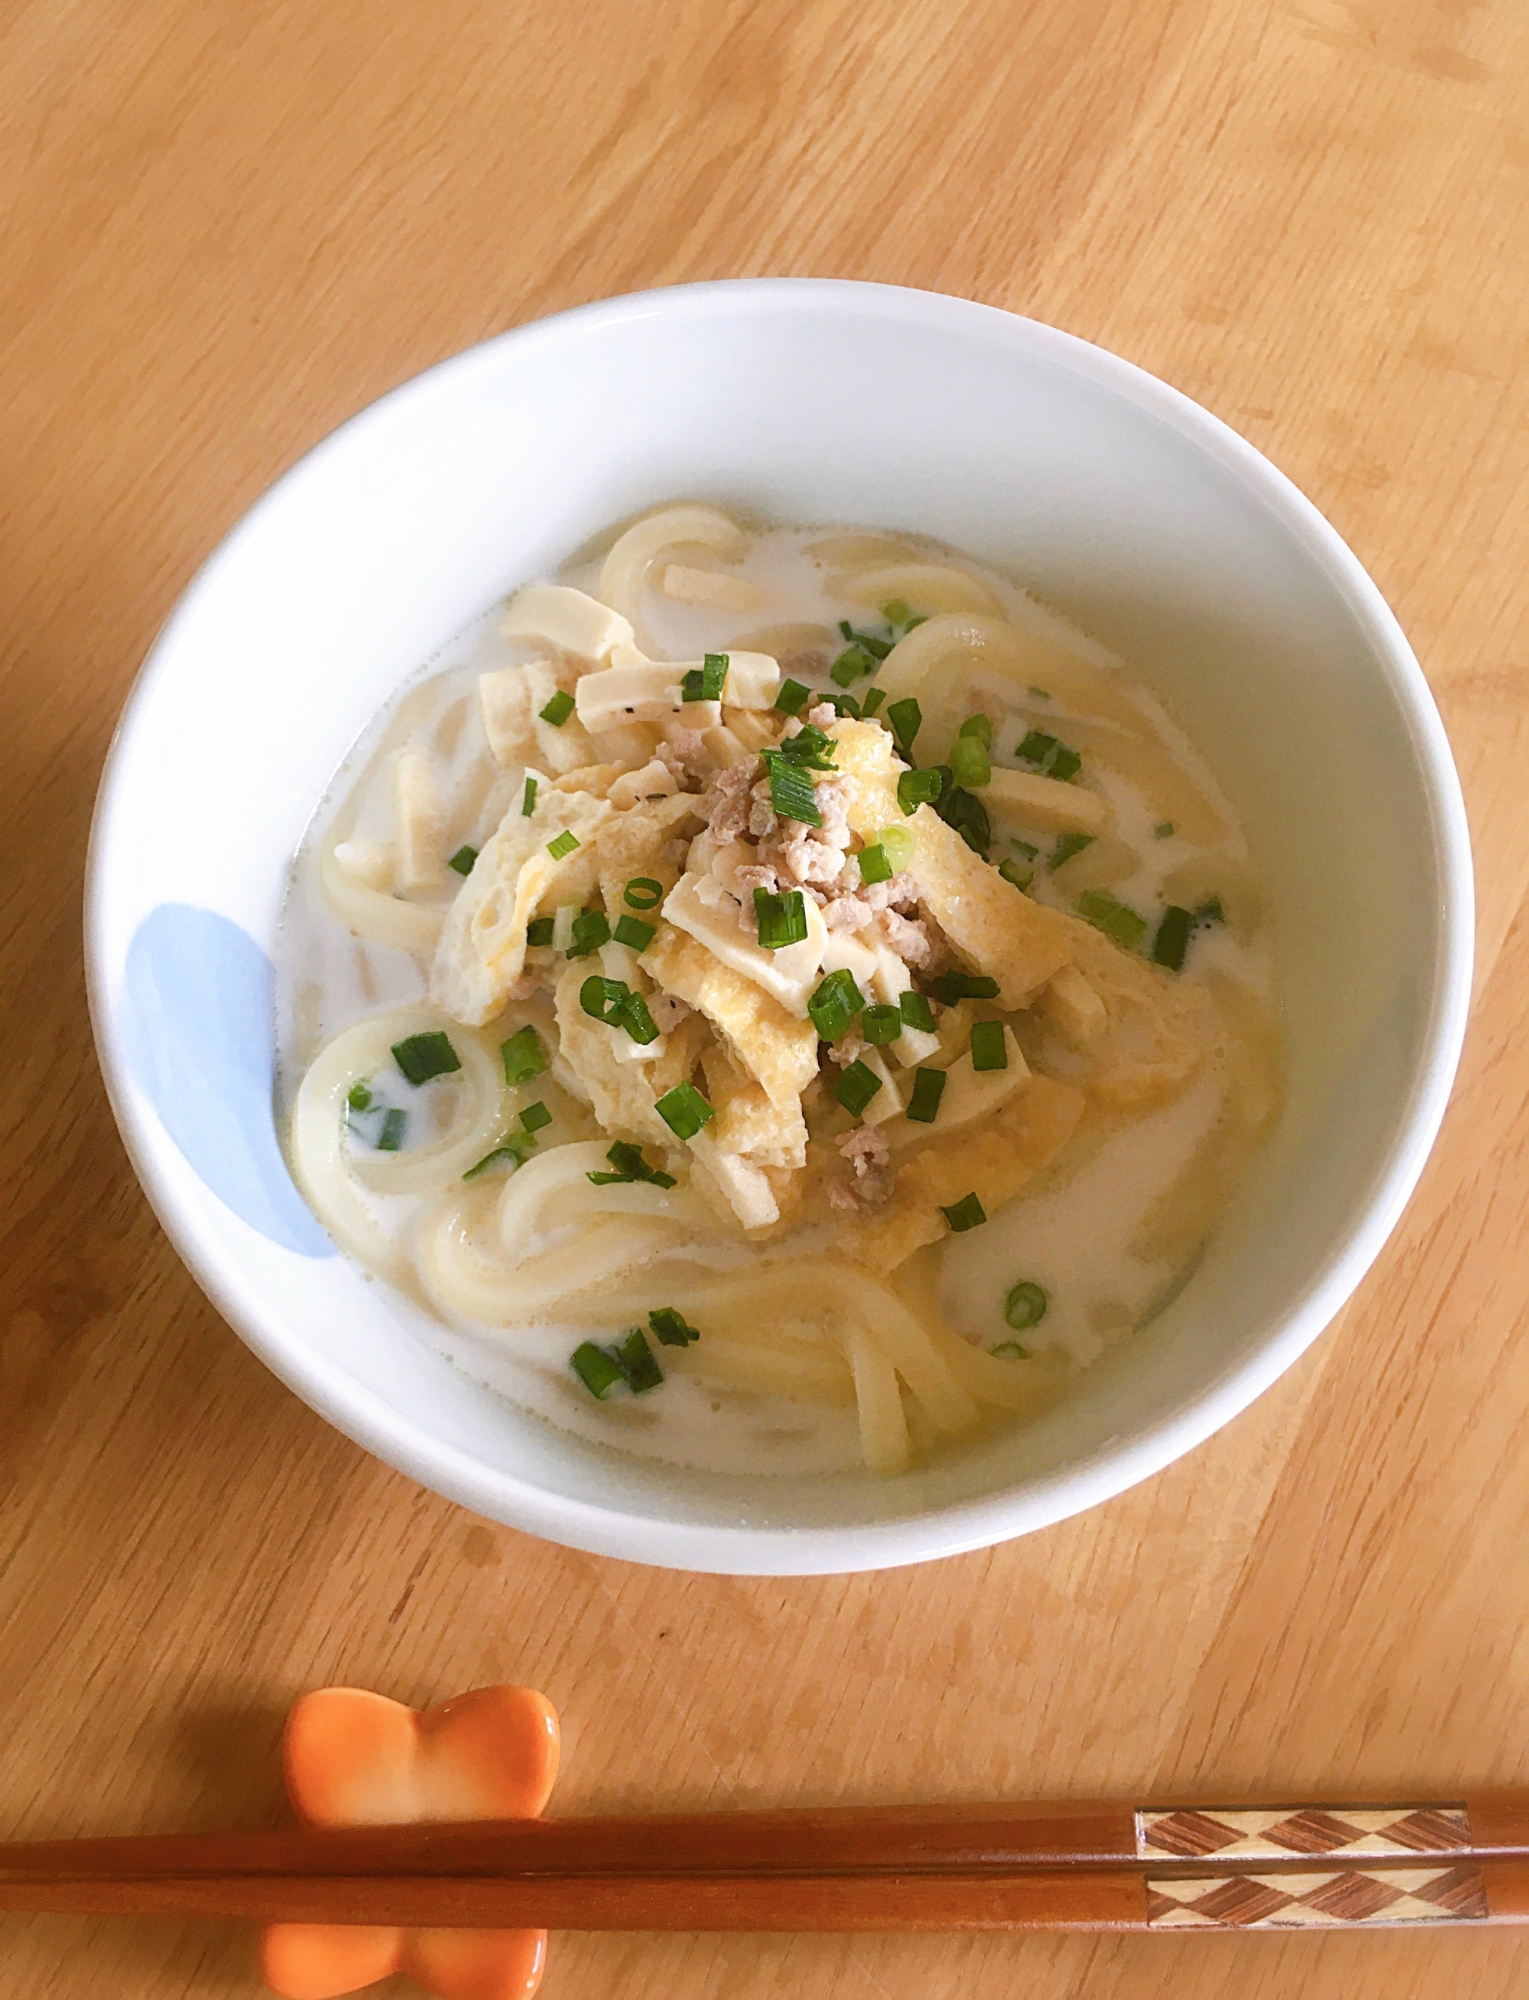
(227,224)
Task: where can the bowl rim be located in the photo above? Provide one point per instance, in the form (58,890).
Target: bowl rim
(363,1416)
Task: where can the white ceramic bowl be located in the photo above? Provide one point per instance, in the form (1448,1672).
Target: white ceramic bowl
(1123,503)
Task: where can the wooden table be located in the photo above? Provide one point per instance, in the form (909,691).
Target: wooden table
(230,224)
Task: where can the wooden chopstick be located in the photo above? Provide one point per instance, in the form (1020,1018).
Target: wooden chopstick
(1073,1865)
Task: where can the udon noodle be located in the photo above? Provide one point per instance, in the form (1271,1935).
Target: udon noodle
(776,981)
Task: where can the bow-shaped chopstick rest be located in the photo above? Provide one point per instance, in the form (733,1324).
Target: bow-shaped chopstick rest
(357,1759)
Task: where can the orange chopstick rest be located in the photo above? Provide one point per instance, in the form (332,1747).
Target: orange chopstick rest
(354,1758)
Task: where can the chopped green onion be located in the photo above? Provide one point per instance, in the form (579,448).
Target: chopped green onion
(462,861)
(896,613)
(591,929)
(990,1048)
(835,1004)
(919,788)
(1163,830)
(842,704)
(782,919)
(1036,748)
(900,842)
(792,697)
(359,1097)
(629,1165)
(705,683)
(928,1088)
(1012,871)
(1026,1305)
(980,727)
(539,931)
(1211,912)
(1009,1350)
(1116,919)
(604,999)
(390,1138)
(517,1149)
(535,1117)
(613,1002)
(855,1087)
(907,719)
(1172,938)
(670,1326)
(964,811)
(1041,694)
(634,932)
(967,1213)
(523,1056)
(596,1369)
(638,1020)
(684,1110)
(1069,845)
(877,648)
(643,893)
(634,1358)
(421,1057)
(874,865)
(564,845)
(850,665)
(916,1011)
(872,700)
(1043,751)
(880,1025)
(1027,848)
(950,987)
(558,709)
(528,799)
(969,761)
(810,747)
(791,792)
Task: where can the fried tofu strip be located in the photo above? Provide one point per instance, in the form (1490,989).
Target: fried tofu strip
(483,942)
(775,1048)
(994,1163)
(994,927)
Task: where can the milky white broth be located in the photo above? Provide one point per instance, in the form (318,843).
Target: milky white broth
(1071,1231)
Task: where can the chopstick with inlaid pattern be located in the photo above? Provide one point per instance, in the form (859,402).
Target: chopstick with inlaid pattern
(1067,1866)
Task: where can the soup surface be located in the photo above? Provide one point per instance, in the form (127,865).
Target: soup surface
(783,997)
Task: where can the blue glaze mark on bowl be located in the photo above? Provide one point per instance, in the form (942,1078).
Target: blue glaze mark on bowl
(199,1006)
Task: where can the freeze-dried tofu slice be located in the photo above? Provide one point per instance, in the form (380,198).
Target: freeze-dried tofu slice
(747,1189)
(571,620)
(420,842)
(639,690)
(512,700)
